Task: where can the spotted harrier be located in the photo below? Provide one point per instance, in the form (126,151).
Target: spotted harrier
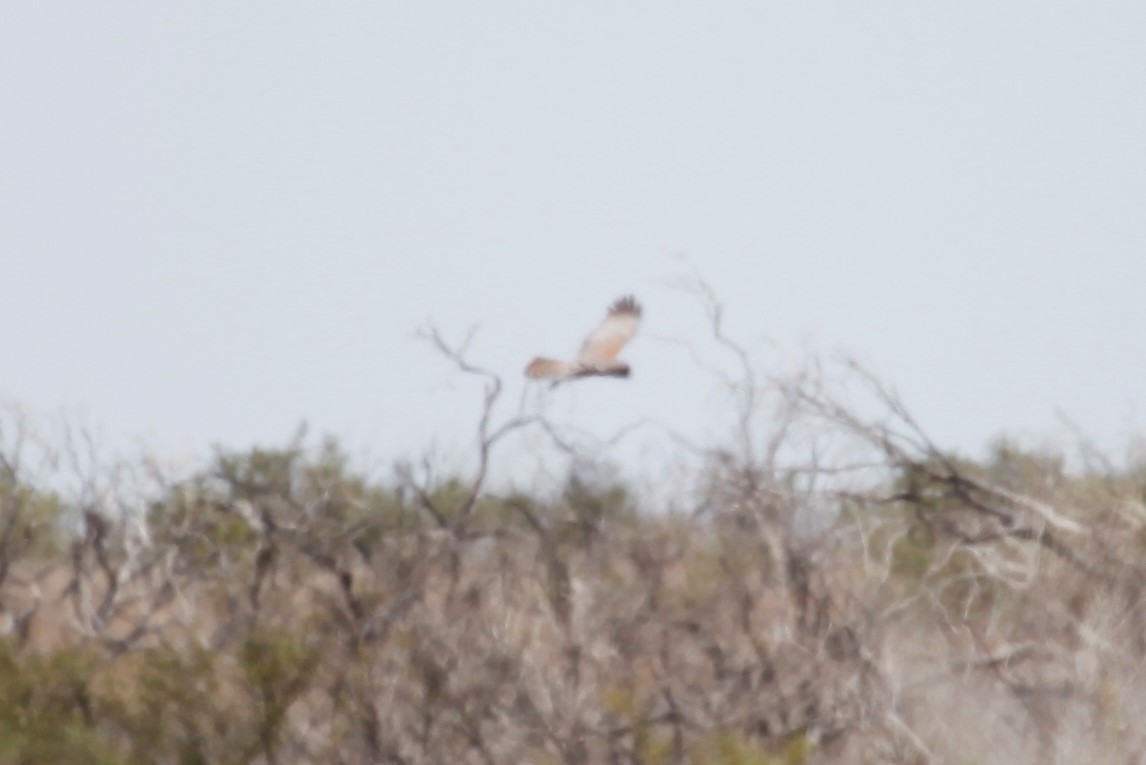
(598,356)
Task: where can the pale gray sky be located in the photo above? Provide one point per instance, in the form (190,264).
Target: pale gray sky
(218,219)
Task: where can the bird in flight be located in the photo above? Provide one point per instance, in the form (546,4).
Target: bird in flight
(598,356)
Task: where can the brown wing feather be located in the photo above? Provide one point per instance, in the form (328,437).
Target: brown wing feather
(606,341)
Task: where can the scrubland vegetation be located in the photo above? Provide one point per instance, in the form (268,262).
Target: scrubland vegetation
(834,588)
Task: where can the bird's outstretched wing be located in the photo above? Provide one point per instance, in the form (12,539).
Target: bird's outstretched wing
(606,341)
(598,356)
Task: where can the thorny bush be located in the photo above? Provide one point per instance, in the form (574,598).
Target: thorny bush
(837,589)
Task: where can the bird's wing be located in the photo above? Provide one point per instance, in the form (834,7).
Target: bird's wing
(606,341)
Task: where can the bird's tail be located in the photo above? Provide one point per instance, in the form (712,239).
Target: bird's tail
(542,368)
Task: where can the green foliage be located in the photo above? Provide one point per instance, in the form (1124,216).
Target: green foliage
(922,559)
(913,553)
(31,521)
(276,667)
(158,705)
(652,747)
(1013,467)
(287,485)
(48,712)
(175,704)
(259,472)
(593,495)
(731,748)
